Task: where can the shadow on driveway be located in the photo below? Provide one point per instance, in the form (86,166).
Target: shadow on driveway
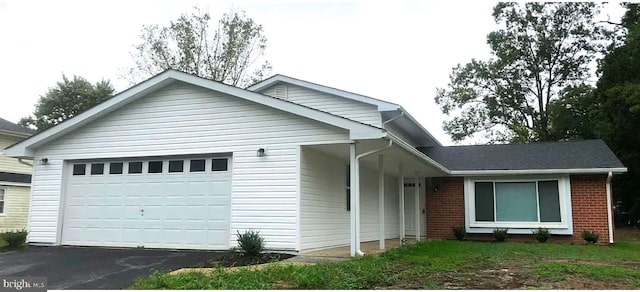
(96,268)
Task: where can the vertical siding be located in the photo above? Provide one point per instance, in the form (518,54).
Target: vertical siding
(10,164)
(357,111)
(184,119)
(324,219)
(16,208)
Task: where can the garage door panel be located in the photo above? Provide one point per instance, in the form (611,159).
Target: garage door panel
(171,210)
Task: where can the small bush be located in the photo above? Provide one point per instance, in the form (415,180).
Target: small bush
(14,239)
(542,234)
(590,237)
(500,234)
(459,232)
(251,242)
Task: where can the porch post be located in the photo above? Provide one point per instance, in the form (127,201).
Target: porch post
(417,206)
(352,197)
(401,203)
(381,200)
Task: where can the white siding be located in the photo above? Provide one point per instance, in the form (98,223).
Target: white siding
(324,218)
(10,164)
(351,109)
(183,119)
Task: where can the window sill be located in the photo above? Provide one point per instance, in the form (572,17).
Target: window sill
(521,230)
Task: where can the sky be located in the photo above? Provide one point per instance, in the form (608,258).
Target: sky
(399,51)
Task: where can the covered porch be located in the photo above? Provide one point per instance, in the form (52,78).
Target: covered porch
(362,197)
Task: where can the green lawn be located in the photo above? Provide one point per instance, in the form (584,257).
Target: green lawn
(439,264)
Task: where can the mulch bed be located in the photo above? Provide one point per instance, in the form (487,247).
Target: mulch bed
(238,259)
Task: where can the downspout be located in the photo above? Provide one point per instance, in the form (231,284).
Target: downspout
(25,163)
(610,217)
(357,193)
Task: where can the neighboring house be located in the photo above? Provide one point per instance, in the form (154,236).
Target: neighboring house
(15,179)
(179,161)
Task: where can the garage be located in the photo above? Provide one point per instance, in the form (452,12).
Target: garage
(169,202)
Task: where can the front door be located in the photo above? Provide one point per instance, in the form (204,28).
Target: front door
(409,210)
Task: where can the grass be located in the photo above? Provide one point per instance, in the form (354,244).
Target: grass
(437,264)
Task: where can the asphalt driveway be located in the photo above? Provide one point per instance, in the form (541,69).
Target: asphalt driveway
(96,268)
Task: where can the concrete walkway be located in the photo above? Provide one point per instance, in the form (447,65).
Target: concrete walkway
(369,247)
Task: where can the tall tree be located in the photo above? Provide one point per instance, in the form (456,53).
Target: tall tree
(68,98)
(540,49)
(228,54)
(618,106)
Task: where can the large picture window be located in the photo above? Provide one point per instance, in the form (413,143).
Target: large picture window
(514,203)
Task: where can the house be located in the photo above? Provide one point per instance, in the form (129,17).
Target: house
(179,161)
(15,179)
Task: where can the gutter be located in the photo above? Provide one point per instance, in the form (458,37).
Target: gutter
(25,163)
(609,211)
(357,193)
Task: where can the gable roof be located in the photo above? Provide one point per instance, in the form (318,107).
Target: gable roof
(10,128)
(24,148)
(407,122)
(588,156)
(381,104)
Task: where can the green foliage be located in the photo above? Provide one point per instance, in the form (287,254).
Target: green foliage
(14,239)
(251,242)
(590,237)
(227,54)
(542,234)
(67,99)
(414,264)
(500,234)
(459,232)
(539,49)
(560,271)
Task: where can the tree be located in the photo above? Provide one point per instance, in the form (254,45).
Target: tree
(575,114)
(227,54)
(67,99)
(540,49)
(618,105)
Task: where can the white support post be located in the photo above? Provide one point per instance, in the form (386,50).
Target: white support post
(401,203)
(381,201)
(417,206)
(352,202)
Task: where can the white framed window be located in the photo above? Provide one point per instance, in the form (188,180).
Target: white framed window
(3,194)
(518,203)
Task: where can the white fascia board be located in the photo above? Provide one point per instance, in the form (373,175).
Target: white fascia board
(417,153)
(381,104)
(538,171)
(14,184)
(25,148)
(422,129)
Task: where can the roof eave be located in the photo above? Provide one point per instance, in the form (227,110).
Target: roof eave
(539,171)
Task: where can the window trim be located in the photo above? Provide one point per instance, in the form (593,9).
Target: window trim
(3,212)
(565,226)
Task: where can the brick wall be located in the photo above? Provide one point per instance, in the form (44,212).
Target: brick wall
(445,209)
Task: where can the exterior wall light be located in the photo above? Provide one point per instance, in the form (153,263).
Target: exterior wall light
(44,161)
(261,152)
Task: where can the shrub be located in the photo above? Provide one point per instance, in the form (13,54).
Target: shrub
(542,234)
(251,242)
(590,237)
(14,239)
(500,234)
(459,232)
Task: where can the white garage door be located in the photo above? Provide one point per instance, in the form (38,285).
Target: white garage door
(160,203)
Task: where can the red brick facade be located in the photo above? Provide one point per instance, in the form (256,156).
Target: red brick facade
(445,208)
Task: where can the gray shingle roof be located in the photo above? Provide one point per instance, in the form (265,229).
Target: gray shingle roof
(6,126)
(544,155)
